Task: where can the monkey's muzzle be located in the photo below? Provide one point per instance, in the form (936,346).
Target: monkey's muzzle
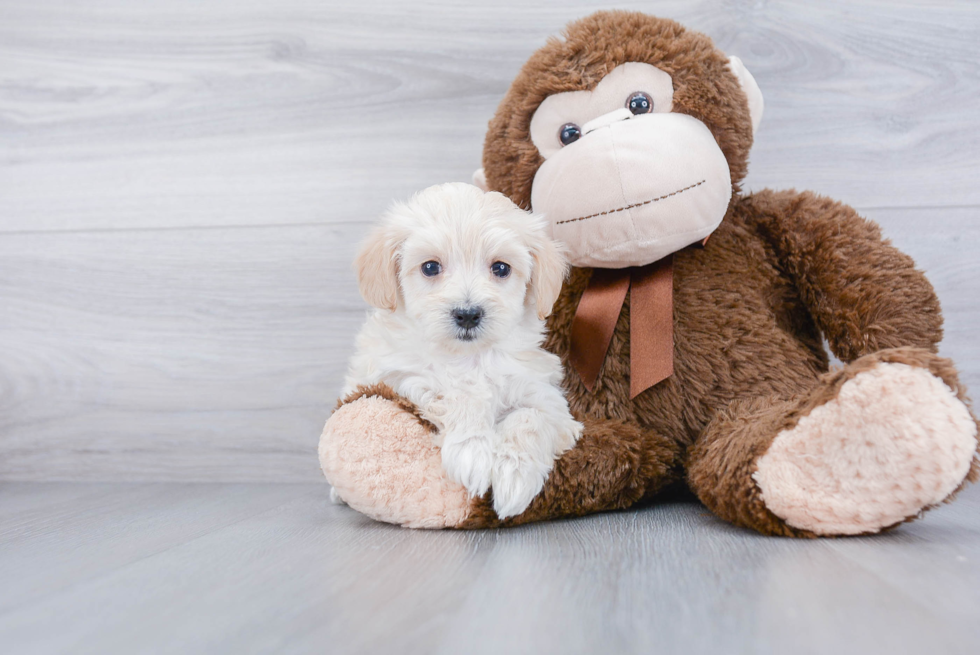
(632,191)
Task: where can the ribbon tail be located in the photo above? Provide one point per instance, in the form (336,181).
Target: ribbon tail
(595,320)
(651,325)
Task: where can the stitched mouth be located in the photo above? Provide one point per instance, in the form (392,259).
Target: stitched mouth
(635,204)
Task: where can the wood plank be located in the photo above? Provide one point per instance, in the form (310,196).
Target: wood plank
(304,576)
(933,560)
(217,354)
(295,112)
(677,580)
(95,529)
(301,566)
(179,354)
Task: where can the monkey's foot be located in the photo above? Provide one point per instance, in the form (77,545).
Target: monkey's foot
(894,440)
(380,459)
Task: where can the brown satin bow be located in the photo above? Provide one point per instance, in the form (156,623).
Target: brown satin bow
(651,322)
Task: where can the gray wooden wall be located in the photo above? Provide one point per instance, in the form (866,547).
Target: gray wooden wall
(182,185)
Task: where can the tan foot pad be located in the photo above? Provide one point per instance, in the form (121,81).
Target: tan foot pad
(382,462)
(895,441)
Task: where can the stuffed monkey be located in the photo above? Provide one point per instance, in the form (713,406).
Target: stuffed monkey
(692,324)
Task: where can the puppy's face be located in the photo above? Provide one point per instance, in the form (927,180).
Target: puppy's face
(467,266)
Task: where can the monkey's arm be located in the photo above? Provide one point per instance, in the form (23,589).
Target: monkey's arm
(379,455)
(864,294)
(613,465)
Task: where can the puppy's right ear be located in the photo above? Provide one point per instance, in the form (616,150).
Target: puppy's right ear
(377,268)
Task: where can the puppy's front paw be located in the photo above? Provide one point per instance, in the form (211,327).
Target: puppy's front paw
(516,481)
(469,461)
(568,435)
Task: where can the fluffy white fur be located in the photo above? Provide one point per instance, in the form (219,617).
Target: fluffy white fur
(492,391)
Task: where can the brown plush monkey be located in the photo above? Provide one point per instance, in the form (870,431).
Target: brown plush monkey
(692,363)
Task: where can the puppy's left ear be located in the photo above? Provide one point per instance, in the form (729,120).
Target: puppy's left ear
(550,268)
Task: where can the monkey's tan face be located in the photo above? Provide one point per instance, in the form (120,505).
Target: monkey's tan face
(625,180)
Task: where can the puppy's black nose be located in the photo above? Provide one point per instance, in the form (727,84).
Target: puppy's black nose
(467,317)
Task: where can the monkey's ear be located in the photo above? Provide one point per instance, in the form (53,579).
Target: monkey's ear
(377,268)
(751,89)
(480,179)
(550,268)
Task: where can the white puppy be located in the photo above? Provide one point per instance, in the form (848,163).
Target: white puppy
(462,281)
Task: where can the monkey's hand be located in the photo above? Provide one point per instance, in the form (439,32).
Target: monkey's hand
(864,294)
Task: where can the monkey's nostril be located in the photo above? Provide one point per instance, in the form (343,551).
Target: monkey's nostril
(467,317)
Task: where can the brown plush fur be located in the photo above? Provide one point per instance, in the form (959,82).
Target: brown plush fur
(750,308)
(614,465)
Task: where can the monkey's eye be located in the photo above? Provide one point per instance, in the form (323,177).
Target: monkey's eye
(431,269)
(640,103)
(500,269)
(569,133)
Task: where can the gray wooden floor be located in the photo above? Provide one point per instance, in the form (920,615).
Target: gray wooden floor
(274,568)
(182,185)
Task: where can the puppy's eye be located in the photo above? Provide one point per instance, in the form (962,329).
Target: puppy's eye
(639,103)
(500,269)
(431,269)
(569,133)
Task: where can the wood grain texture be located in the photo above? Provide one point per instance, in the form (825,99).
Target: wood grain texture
(276,568)
(182,186)
(109,526)
(231,113)
(193,355)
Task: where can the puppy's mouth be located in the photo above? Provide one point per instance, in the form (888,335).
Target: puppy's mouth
(468,334)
